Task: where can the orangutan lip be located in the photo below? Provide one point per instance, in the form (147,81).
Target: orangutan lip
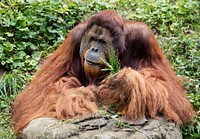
(91,63)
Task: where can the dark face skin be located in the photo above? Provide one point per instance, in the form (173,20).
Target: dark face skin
(94,47)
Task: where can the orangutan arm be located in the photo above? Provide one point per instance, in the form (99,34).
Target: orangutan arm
(69,99)
(141,93)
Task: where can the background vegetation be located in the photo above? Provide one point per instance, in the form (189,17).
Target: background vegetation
(30,31)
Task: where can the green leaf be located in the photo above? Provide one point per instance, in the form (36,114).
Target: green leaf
(2,39)
(24,29)
(9,34)
(8,46)
(21,55)
(36,55)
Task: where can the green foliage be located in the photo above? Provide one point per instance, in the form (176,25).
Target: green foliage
(165,17)
(113,64)
(192,130)
(90,7)
(31,31)
(183,52)
(6,131)
(195,99)
(12,83)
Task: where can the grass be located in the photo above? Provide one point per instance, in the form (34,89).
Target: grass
(113,64)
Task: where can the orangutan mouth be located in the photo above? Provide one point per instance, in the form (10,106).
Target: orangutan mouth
(92,63)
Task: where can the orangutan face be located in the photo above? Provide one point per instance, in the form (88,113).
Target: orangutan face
(94,47)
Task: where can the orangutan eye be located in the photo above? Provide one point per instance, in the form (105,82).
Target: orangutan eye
(102,41)
(93,39)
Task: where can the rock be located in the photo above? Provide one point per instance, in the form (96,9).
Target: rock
(100,128)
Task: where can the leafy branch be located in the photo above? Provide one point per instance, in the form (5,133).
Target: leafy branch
(113,64)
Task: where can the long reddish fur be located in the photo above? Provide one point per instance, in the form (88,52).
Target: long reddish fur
(145,86)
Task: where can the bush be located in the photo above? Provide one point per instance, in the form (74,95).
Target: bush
(31,31)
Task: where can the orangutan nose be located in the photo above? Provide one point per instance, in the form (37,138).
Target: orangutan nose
(95,49)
